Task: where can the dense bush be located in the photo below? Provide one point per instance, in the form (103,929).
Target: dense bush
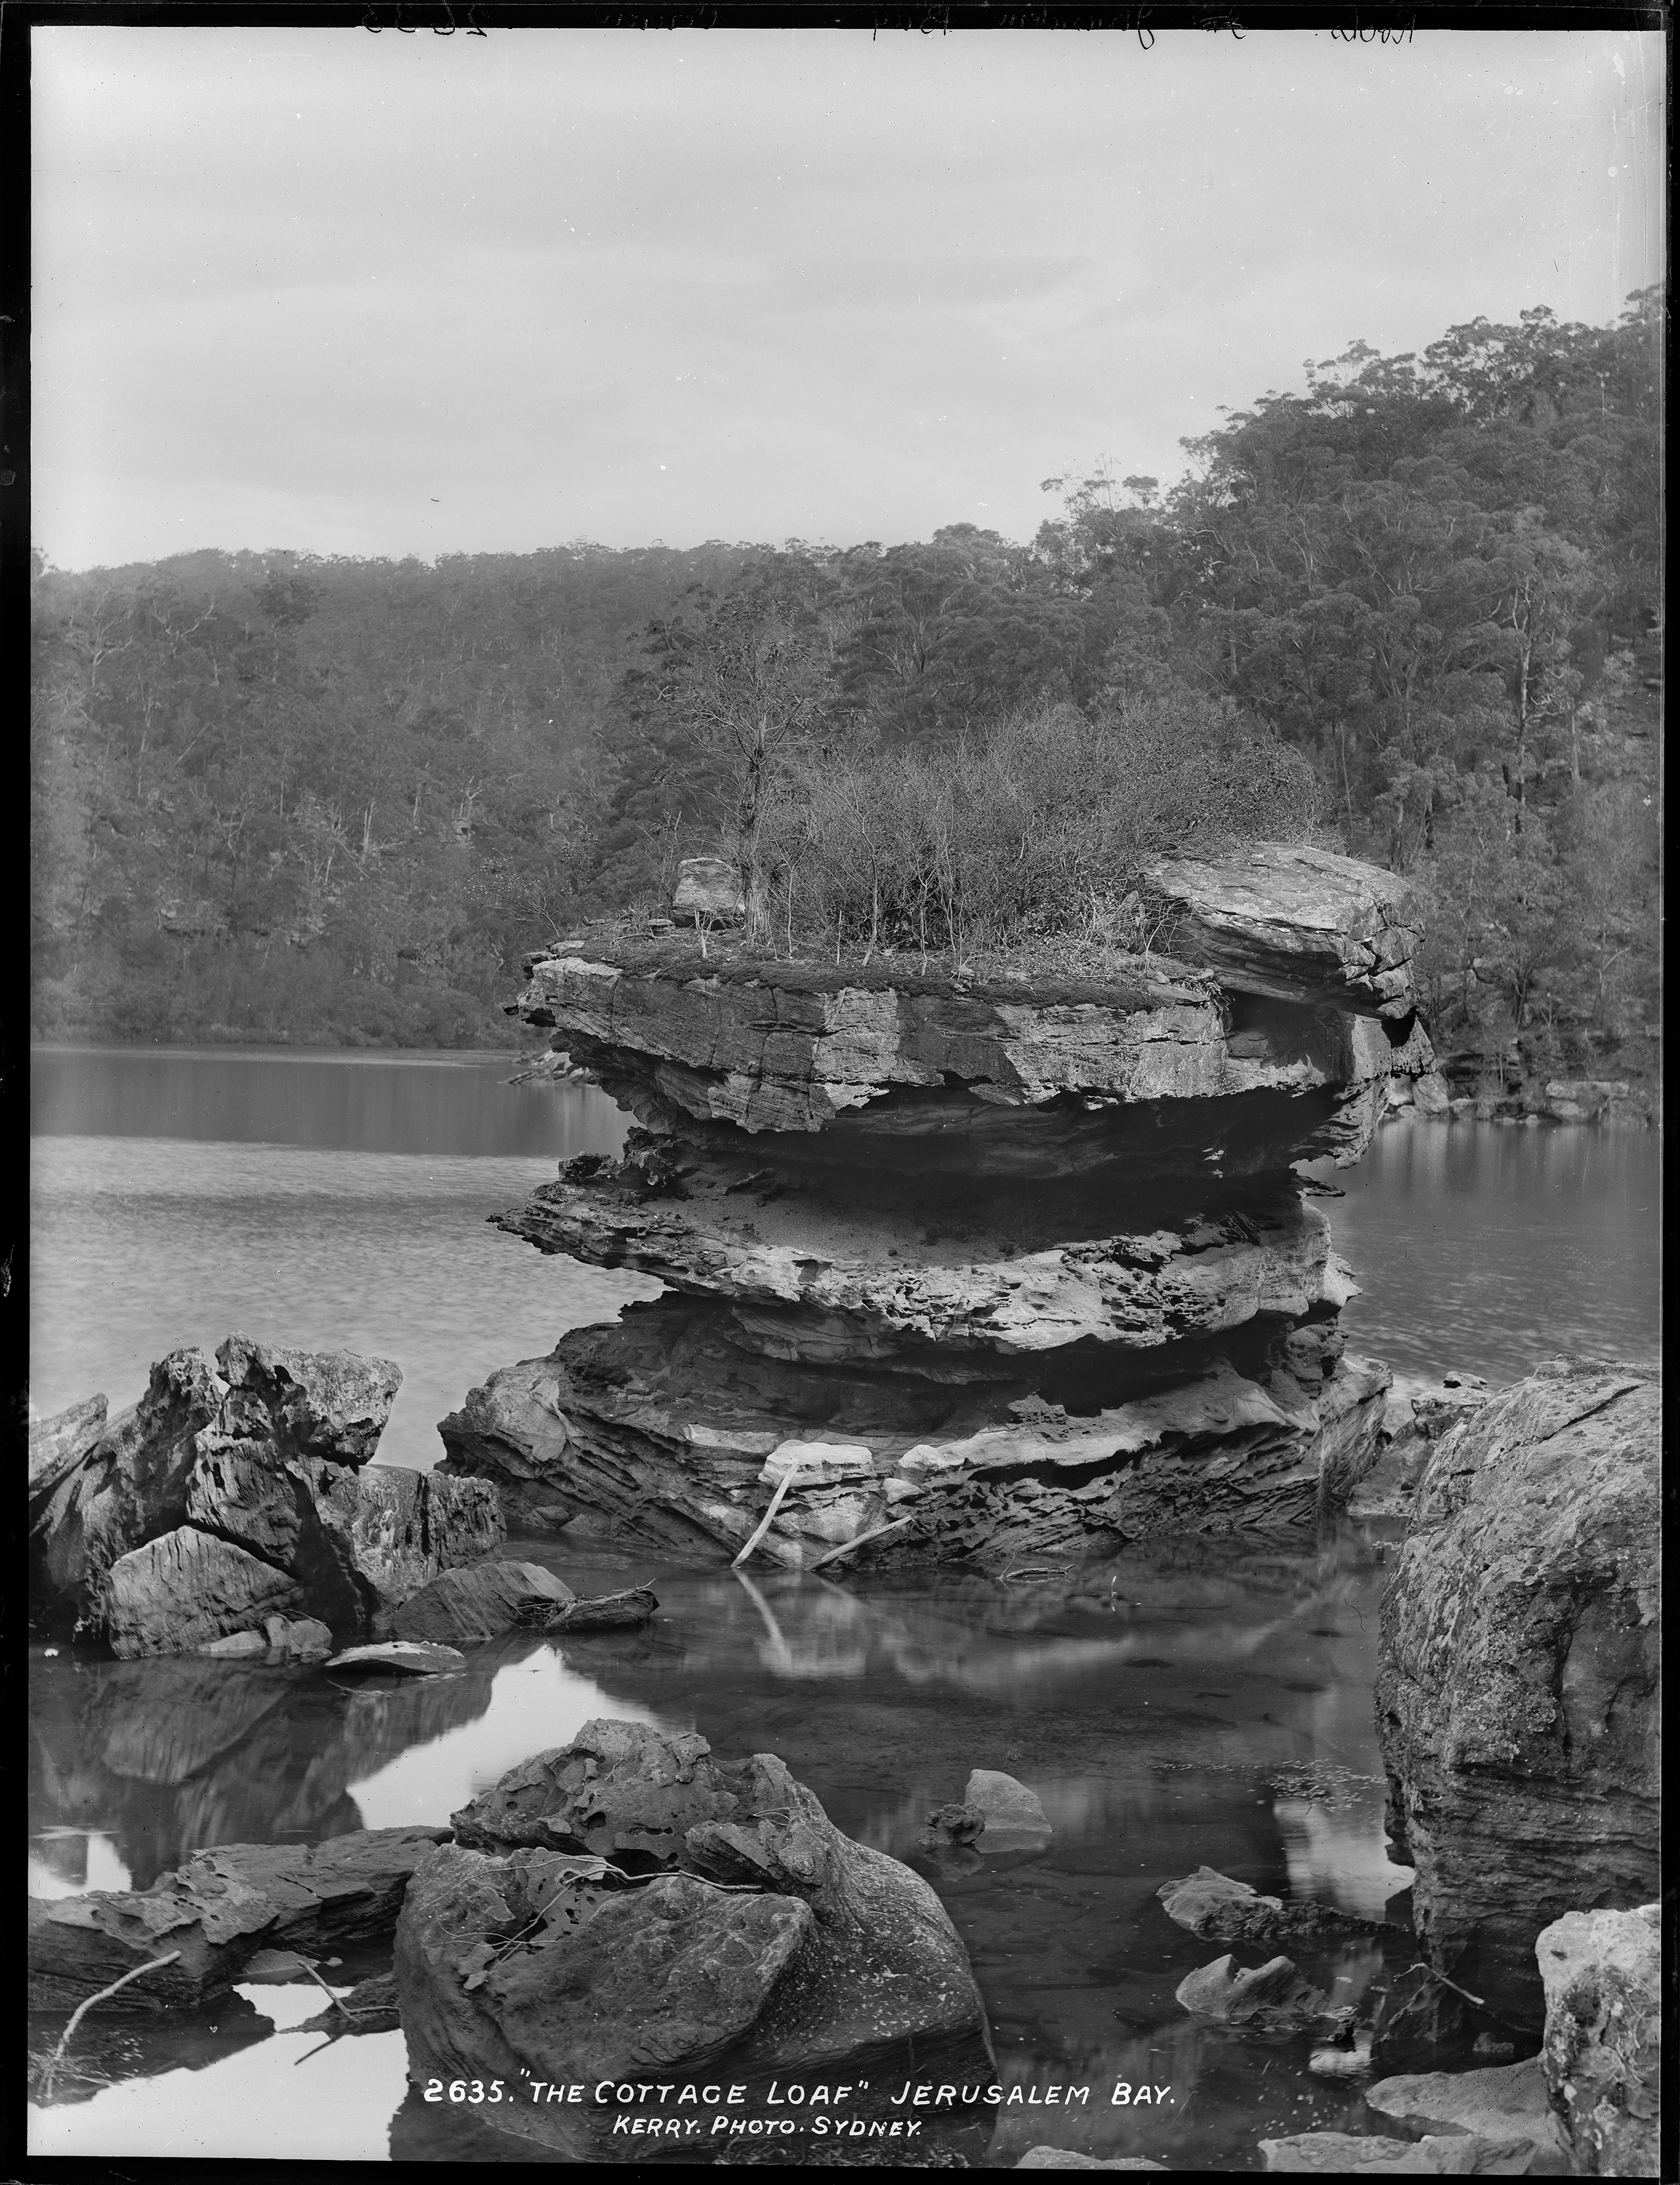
(1038,829)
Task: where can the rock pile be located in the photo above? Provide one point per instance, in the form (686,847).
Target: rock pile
(235,1498)
(1517,1693)
(1034,1253)
(628,1900)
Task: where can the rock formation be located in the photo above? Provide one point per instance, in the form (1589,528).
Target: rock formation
(226,1497)
(1517,1690)
(628,1901)
(1035,1249)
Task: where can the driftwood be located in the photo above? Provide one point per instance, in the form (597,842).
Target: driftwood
(847,1547)
(154,1964)
(610,1611)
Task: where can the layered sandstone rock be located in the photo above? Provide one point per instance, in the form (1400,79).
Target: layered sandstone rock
(1037,1250)
(1518,1688)
(238,1490)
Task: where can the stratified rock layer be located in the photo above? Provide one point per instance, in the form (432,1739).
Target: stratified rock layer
(1517,1692)
(1036,1253)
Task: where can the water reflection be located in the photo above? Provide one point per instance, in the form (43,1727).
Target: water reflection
(1202,1701)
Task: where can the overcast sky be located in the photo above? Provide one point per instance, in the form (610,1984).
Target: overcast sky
(362,294)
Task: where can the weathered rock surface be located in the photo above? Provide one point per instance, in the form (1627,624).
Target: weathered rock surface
(1064,2158)
(217,1911)
(1346,2155)
(1302,924)
(460,1606)
(227,1496)
(628,1901)
(1270,1998)
(1517,1689)
(58,1444)
(187,1589)
(1508,2102)
(1037,1253)
(370,2007)
(1603,2054)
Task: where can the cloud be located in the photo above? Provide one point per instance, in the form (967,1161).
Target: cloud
(318,287)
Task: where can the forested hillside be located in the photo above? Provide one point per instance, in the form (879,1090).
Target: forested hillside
(279,796)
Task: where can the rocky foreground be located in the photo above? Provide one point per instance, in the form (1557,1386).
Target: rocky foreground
(1032,1264)
(236,1496)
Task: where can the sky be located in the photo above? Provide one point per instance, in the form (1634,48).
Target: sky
(374,295)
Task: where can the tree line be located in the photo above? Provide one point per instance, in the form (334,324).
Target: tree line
(1413,609)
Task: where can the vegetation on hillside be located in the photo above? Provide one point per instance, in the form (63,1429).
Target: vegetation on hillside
(282,796)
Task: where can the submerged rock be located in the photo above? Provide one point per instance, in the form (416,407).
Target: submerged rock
(1518,1678)
(370,2007)
(215,1913)
(1269,1998)
(1603,2054)
(227,1496)
(894,1213)
(1221,1910)
(628,1897)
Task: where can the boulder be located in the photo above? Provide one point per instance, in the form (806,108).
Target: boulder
(304,1638)
(1431,1095)
(1518,1676)
(763,1932)
(57,1445)
(271,1461)
(1602,2057)
(128,1488)
(708,887)
(1011,1816)
(461,1607)
(216,1912)
(1270,1998)
(333,1404)
(403,1657)
(1345,2155)
(1505,2103)
(182,1591)
(1299,924)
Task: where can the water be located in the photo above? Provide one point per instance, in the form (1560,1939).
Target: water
(322,1201)
(1190,1703)
(1489,1247)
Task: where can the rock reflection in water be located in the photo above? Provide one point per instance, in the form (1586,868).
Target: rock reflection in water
(1191,1702)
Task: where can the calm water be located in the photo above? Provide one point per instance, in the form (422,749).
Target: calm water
(1190,1703)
